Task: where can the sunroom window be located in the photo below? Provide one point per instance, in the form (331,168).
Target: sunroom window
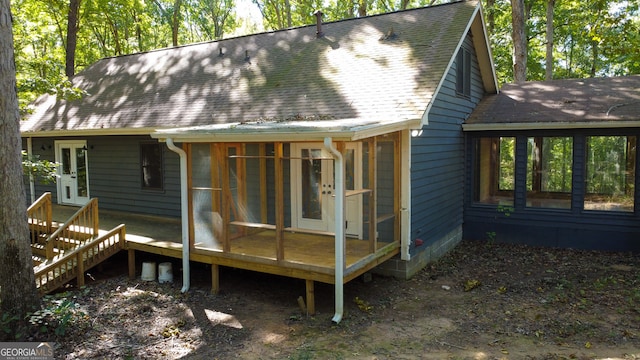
(495,170)
(549,172)
(610,173)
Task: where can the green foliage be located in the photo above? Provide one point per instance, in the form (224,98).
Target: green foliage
(7,324)
(43,171)
(58,314)
(593,38)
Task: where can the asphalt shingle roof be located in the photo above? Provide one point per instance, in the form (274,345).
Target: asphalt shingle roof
(384,67)
(590,102)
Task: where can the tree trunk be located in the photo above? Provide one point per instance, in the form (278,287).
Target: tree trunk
(18,294)
(548,71)
(491,18)
(287,9)
(362,8)
(519,41)
(72,37)
(176,22)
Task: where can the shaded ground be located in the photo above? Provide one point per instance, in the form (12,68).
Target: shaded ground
(482,301)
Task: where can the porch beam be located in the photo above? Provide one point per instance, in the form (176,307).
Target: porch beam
(279,179)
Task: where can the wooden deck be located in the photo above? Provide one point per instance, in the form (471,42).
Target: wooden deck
(307,256)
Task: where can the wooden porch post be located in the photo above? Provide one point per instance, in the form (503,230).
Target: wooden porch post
(131,254)
(263,183)
(215,278)
(226,216)
(279,180)
(311,297)
(373,197)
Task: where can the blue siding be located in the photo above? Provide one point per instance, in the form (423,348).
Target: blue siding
(437,160)
(568,228)
(115,175)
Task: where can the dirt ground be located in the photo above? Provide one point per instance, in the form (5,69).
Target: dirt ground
(481,301)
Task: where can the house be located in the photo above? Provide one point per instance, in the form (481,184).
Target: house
(319,152)
(555,164)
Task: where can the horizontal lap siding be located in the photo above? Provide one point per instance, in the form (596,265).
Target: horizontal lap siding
(437,161)
(115,175)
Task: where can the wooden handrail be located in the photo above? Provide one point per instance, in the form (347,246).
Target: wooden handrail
(74,263)
(40,217)
(81,226)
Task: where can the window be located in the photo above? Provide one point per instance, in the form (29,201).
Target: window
(463,72)
(549,172)
(610,173)
(151,166)
(495,170)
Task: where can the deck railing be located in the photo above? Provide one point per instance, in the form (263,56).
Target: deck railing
(40,218)
(73,264)
(82,226)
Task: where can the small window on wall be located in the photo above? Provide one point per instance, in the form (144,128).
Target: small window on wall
(151,166)
(610,173)
(463,72)
(495,170)
(549,172)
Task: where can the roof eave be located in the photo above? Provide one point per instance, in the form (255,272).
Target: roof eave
(352,134)
(89,132)
(565,125)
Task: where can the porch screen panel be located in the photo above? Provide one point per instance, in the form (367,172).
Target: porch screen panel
(385,174)
(207,221)
(610,173)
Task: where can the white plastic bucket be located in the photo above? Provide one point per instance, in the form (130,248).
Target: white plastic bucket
(165,273)
(148,271)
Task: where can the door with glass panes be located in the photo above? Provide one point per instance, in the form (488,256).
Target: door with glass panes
(313,188)
(73,184)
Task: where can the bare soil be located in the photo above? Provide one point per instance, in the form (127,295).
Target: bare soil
(481,301)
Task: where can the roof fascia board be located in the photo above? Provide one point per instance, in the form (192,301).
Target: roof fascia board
(490,86)
(89,132)
(354,134)
(483,51)
(552,126)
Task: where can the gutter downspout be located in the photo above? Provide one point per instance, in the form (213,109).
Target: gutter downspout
(339,231)
(186,271)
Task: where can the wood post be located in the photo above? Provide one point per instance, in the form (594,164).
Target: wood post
(311,300)
(215,278)
(80,267)
(132,263)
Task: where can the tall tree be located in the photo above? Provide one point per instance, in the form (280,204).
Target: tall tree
(519,38)
(549,37)
(18,295)
(72,37)
(176,22)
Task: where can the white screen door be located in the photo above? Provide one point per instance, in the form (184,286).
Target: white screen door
(73,184)
(313,189)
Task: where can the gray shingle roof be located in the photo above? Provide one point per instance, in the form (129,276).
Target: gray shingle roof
(385,67)
(596,102)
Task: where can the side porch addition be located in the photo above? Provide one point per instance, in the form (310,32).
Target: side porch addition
(270,207)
